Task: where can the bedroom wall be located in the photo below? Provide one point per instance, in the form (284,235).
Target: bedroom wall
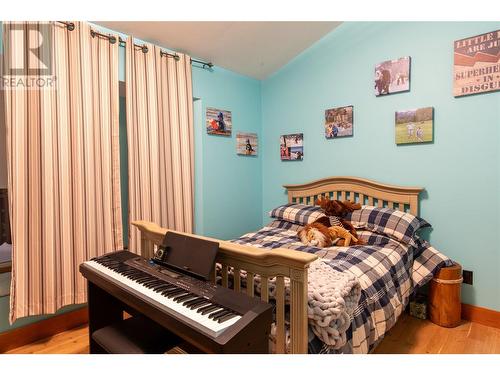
(460,170)
(228,187)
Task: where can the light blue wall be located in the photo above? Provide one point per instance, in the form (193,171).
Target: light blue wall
(228,187)
(460,170)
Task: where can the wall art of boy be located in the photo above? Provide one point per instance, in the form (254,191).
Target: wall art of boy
(220,121)
(249,148)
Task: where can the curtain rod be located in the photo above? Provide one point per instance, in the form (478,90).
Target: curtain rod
(112,39)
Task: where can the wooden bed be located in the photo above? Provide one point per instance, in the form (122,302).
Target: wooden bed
(286,263)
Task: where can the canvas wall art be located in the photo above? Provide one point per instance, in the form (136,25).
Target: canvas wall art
(246,144)
(292,146)
(415,126)
(338,122)
(392,76)
(219,122)
(477,64)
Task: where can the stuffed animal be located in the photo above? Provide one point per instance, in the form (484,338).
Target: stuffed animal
(340,232)
(319,235)
(335,211)
(315,234)
(335,207)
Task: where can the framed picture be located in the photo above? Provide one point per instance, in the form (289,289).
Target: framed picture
(392,76)
(292,146)
(476,64)
(415,126)
(338,122)
(219,122)
(246,144)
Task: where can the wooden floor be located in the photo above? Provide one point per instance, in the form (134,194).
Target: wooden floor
(409,335)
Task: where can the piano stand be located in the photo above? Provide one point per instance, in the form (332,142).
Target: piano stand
(104,310)
(110,333)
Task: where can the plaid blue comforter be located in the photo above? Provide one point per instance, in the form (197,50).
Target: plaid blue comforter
(389,272)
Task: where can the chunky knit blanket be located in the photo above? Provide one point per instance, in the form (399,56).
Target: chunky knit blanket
(332,298)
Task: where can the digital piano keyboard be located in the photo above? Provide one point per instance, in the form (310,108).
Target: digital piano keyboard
(212,318)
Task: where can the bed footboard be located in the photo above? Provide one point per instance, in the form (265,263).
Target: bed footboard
(262,266)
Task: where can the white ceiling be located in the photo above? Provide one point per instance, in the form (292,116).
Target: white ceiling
(255,49)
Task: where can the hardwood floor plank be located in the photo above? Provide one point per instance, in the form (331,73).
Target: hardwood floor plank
(409,335)
(412,335)
(49,344)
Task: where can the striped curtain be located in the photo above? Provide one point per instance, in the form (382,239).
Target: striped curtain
(63,166)
(160,139)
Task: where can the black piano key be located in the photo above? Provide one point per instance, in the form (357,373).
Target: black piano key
(193,301)
(174,293)
(199,305)
(228,316)
(217,314)
(201,309)
(142,279)
(136,277)
(186,297)
(163,288)
(184,301)
(147,279)
(210,309)
(222,315)
(179,295)
(196,305)
(153,283)
(156,284)
(166,293)
(128,272)
(131,276)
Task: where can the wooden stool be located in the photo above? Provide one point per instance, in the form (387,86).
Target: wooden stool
(444,297)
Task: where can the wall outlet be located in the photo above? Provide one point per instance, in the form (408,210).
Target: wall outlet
(467,275)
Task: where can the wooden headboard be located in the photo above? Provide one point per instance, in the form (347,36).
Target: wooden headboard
(359,190)
(4,217)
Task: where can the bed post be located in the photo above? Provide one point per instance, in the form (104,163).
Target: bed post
(147,247)
(298,314)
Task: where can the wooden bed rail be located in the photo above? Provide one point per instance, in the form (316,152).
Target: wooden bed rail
(271,266)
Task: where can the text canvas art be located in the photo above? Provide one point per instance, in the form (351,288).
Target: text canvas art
(477,64)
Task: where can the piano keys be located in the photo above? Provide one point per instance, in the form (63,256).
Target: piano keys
(212,318)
